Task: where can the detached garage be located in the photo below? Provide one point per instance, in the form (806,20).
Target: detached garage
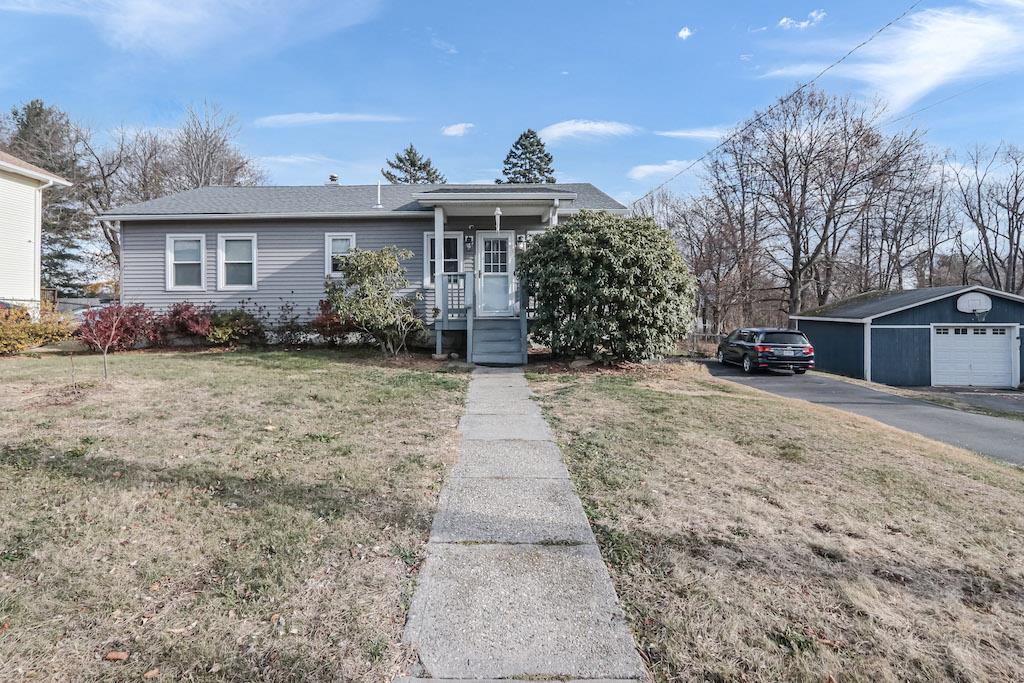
(937,336)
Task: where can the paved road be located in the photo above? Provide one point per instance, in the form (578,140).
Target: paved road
(998,437)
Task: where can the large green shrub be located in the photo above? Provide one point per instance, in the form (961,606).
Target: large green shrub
(367,295)
(608,288)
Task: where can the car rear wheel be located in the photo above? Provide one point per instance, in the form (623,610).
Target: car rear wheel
(721,357)
(748,365)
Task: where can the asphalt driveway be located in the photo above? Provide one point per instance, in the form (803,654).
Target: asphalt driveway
(997,437)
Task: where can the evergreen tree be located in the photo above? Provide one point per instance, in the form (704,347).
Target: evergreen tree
(528,161)
(409,167)
(45,136)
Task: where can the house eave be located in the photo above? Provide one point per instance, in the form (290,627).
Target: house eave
(146,218)
(44,178)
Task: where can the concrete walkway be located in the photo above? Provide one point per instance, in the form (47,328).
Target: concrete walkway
(514,585)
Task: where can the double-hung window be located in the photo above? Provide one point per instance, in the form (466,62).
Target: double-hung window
(337,246)
(451,259)
(186,263)
(236,262)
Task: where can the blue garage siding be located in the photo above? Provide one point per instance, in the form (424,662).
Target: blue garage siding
(944,311)
(901,357)
(838,347)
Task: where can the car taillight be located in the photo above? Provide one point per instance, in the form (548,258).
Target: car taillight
(808,350)
(761,348)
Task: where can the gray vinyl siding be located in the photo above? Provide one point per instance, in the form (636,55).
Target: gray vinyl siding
(901,357)
(290,258)
(838,347)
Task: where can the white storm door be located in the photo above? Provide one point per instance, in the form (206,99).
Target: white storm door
(495,267)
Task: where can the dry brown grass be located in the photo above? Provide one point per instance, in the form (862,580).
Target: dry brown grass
(759,539)
(217,516)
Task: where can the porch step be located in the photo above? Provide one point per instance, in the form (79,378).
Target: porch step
(496,341)
(511,336)
(496,346)
(498,358)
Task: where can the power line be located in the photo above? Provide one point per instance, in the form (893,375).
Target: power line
(782,101)
(942,101)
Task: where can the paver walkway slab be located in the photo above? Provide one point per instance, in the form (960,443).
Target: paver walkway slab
(506,511)
(514,585)
(510,459)
(502,611)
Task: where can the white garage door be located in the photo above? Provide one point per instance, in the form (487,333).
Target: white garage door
(973,356)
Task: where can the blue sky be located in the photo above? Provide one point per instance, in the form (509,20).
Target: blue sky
(623,92)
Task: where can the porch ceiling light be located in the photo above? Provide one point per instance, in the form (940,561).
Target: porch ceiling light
(497,218)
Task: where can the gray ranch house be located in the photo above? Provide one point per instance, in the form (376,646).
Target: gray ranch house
(229,247)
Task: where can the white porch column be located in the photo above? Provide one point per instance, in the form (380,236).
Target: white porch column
(438,270)
(554,213)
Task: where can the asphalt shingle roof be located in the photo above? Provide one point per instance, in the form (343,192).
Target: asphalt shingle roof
(320,199)
(877,302)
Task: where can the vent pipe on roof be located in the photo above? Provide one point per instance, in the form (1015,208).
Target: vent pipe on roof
(378,205)
(332,179)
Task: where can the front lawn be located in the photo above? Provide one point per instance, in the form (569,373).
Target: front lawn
(225,516)
(753,538)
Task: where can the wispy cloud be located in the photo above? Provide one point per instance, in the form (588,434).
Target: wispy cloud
(184,27)
(296,159)
(648,171)
(684,33)
(932,48)
(583,128)
(457,130)
(710,133)
(316,118)
(813,19)
(444,46)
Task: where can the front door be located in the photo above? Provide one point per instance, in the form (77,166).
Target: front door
(495,267)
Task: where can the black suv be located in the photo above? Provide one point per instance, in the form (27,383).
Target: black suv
(756,348)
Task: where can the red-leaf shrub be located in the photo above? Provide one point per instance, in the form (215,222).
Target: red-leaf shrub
(183,318)
(115,327)
(329,325)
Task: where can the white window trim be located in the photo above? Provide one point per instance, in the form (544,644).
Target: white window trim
(169,262)
(328,236)
(222,268)
(427,236)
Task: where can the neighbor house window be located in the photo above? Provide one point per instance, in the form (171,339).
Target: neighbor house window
(337,246)
(451,258)
(186,269)
(236,262)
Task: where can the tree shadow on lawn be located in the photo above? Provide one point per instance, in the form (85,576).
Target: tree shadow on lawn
(385,505)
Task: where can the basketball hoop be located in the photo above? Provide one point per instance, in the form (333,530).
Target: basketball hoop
(978,304)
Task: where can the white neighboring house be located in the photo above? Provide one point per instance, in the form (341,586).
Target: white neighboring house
(21,214)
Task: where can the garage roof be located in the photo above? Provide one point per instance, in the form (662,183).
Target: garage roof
(874,304)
